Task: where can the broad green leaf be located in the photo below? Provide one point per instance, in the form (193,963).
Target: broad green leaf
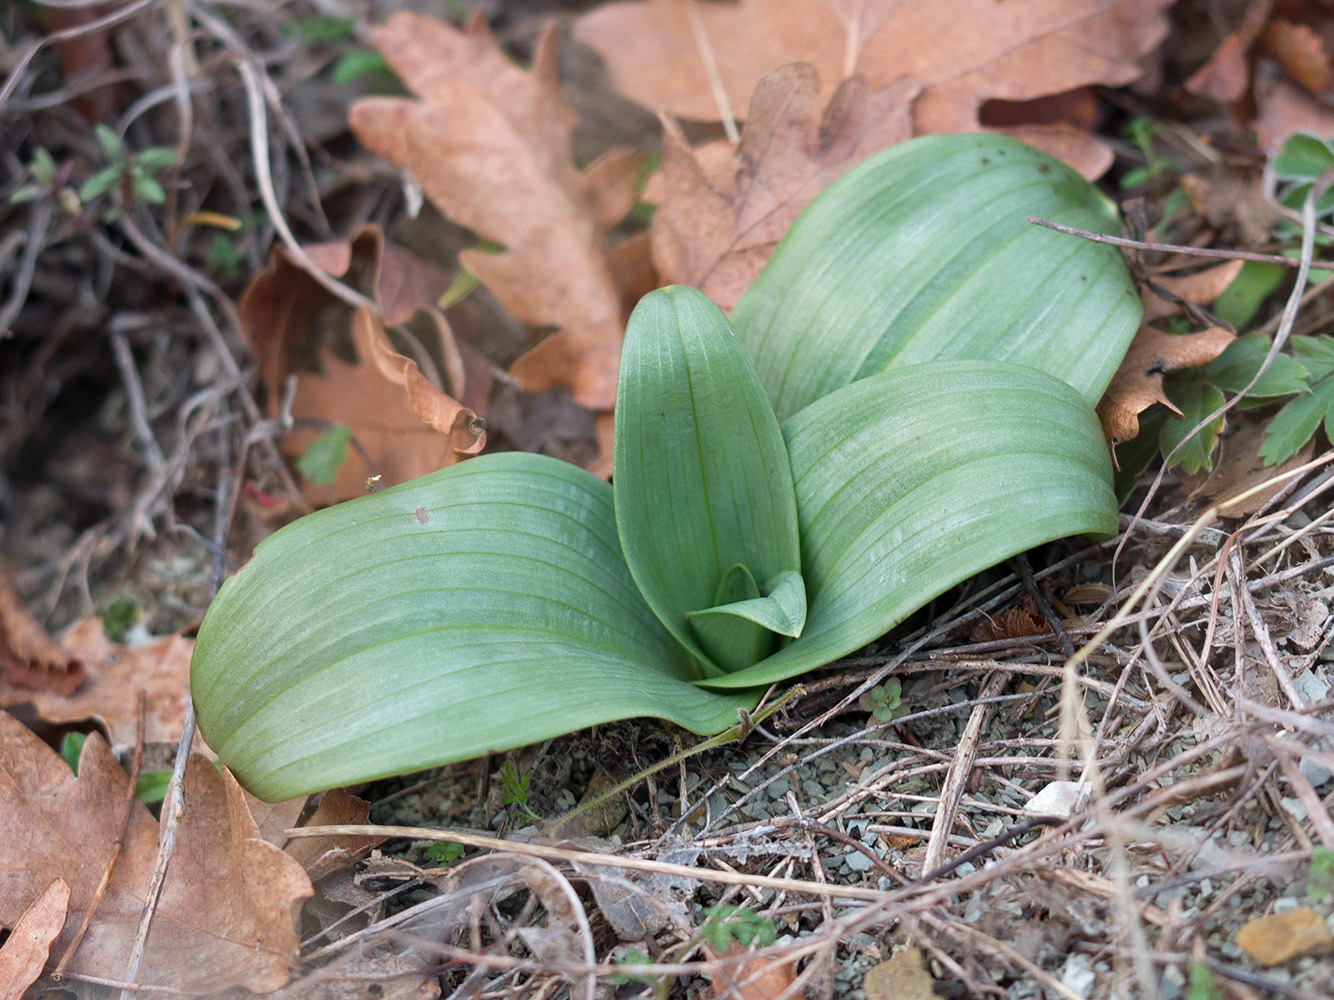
(702,481)
(1292,426)
(1196,399)
(923,252)
(1233,370)
(1242,299)
(743,632)
(479,608)
(1303,155)
(911,481)
(782,609)
(1316,353)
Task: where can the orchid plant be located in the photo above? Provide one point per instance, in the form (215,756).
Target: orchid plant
(903,398)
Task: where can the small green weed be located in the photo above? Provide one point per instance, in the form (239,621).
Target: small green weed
(514,791)
(1200,983)
(725,924)
(118,617)
(883,701)
(444,852)
(1320,878)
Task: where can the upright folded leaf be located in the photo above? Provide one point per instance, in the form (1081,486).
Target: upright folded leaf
(701,473)
(479,608)
(911,481)
(923,252)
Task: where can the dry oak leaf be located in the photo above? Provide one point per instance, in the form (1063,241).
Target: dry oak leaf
(902,977)
(722,209)
(401,420)
(1200,288)
(115,675)
(489,143)
(403,423)
(23,956)
(661,52)
(29,658)
(1280,937)
(1138,382)
(1238,470)
(226,916)
(755,978)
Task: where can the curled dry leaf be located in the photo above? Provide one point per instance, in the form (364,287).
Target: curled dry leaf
(226,914)
(30,660)
(1240,469)
(489,143)
(1138,383)
(113,677)
(24,954)
(962,53)
(1200,288)
(722,209)
(403,422)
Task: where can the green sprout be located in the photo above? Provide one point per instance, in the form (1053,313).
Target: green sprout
(725,924)
(883,702)
(514,791)
(133,175)
(444,852)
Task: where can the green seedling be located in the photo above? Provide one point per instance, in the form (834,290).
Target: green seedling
(1200,983)
(151,786)
(1320,876)
(514,791)
(133,175)
(444,852)
(118,617)
(726,924)
(883,701)
(902,399)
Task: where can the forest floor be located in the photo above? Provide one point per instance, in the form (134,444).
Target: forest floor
(1126,794)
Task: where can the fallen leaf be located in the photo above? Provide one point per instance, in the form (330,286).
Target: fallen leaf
(1138,382)
(24,954)
(1240,469)
(115,675)
(1200,288)
(1230,196)
(29,658)
(227,909)
(489,143)
(752,979)
(900,978)
(1279,937)
(1299,52)
(1227,74)
(402,421)
(322,855)
(723,209)
(660,52)
(1284,108)
(404,424)
(1012,623)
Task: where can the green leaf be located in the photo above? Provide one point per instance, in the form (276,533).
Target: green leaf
(1233,370)
(923,252)
(155,158)
(701,479)
(43,166)
(109,142)
(320,462)
(100,183)
(1316,353)
(480,608)
(1291,427)
(148,189)
(71,745)
(358,64)
(1303,155)
(1242,299)
(152,786)
(743,631)
(911,481)
(1196,399)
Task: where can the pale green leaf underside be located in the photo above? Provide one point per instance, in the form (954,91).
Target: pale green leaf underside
(911,481)
(479,608)
(923,252)
(702,481)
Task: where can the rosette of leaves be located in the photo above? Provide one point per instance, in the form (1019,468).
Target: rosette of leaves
(906,400)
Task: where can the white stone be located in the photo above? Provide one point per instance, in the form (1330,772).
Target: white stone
(1059,798)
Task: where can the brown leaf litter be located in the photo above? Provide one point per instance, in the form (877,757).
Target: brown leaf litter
(403,423)
(226,914)
(680,59)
